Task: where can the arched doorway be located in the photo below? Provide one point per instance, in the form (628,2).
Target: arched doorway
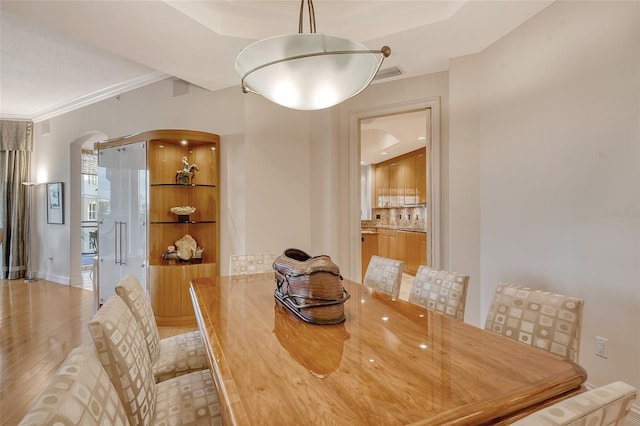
(81,264)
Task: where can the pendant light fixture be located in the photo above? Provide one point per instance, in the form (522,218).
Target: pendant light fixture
(308,71)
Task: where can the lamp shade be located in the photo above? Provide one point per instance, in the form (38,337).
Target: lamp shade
(307,71)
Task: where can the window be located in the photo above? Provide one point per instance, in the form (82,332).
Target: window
(92,211)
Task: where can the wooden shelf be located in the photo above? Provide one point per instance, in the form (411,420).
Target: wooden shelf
(169,279)
(190,222)
(183,185)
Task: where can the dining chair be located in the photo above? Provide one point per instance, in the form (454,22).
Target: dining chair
(542,319)
(246,264)
(187,399)
(384,275)
(172,356)
(604,406)
(440,291)
(79,393)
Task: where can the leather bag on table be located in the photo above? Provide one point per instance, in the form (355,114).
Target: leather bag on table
(310,286)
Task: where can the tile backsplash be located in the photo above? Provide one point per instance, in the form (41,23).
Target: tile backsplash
(400,217)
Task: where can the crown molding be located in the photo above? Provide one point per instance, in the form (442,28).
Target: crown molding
(93,97)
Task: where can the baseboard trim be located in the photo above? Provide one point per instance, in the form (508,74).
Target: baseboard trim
(633,418)
(59,279)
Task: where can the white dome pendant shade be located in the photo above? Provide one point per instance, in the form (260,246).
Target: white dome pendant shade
(308,71)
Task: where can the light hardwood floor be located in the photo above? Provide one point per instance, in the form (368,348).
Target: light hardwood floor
(40,322)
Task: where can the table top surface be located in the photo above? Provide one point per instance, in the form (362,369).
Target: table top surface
(390,362)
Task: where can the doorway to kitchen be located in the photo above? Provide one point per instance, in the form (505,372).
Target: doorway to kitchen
(396,184)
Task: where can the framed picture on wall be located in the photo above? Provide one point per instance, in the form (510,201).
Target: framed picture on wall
(55,203)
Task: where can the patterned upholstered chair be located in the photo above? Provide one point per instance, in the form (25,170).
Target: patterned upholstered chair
(190,398)
(604,406)
(80,393)
(545,320)
(246,264)
(172,356)
(384,275)
(440,291)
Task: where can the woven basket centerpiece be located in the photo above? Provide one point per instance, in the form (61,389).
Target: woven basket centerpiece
(311,287)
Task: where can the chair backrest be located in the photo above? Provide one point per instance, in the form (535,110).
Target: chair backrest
(385,275)
(246,264)
(545,320)
(604,406)
(80,393)
(440,291)
(130,290)
(123,353)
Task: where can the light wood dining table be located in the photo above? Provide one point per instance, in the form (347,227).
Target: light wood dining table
(389,363)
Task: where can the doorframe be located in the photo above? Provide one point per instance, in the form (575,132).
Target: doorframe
(434,222)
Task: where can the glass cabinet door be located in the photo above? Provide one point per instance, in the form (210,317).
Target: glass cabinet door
(122,207)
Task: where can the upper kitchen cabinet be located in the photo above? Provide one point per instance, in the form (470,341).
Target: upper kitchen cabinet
(402,180)
(421,177)
(382,185)
(408,165)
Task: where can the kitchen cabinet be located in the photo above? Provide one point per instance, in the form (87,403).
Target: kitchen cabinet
(421,178)
(423,248)
(388,245)
(412,256)
(400,249)
(410,184)
(382,185)
(407,246)
(401,180)
(393,184)
(393,244)
(369,248)
(383,243)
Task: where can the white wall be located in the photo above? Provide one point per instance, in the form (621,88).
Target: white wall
(545,126)
(277,173)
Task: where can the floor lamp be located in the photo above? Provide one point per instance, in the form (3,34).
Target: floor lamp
(29,186)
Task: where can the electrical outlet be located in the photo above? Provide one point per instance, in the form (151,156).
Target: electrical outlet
(601,347)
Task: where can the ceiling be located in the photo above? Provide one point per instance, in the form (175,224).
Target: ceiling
(383,138)
(60,55)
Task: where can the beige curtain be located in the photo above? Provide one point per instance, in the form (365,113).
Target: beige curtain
(16,143)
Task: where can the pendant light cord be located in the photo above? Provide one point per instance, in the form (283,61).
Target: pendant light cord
(312,17)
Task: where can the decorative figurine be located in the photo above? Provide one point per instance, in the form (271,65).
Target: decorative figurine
(186,175)
(185,250)
(183,212)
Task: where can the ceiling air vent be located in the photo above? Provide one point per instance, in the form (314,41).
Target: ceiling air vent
(387,73)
